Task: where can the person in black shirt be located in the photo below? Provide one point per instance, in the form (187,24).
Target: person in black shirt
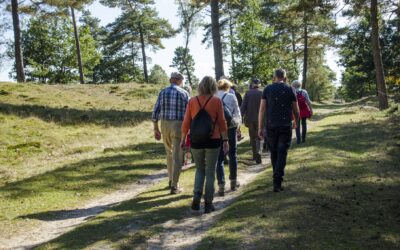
(278,104)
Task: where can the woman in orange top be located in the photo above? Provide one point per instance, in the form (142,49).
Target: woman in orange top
(206,155)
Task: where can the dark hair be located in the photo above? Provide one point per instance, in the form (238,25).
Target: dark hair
(256,81)
(280,73)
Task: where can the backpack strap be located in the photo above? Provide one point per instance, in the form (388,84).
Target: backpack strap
(223,97)
(202,107)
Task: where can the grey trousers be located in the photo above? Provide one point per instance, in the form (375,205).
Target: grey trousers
(206,162)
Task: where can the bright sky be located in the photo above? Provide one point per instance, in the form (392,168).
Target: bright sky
(167,9)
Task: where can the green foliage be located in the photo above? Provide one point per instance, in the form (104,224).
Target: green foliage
(50,53)
(158,75)
(251,45)
(358,79)
(184,62)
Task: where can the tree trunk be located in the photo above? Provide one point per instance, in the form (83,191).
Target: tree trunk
(78,47)
(294,54)
(231,24)
(216,37)
(185,55)
(19,63)
(146,75)
(305,56)
(380,77)
(188,73)
(133,55)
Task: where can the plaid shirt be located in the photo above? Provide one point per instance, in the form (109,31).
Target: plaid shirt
(171,104)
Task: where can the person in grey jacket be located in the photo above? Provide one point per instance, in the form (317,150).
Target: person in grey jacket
(230,102)
(249,110)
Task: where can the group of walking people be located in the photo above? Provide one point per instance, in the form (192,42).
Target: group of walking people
(209,125)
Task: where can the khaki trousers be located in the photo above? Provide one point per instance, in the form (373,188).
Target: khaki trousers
(171,134)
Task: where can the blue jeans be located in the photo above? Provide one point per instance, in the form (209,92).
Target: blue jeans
(279,140)
(301,137)
(232,138)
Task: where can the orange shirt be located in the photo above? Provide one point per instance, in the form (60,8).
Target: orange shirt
(214,109)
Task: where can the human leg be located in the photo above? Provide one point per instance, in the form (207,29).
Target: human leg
(284,141)
(298,136)
(233,163)
(220,172)
(199,156)
(166,136)
(304,129)
(177,153)
(211,158)
(272,141)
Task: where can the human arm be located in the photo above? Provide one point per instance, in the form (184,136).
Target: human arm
(186,125)
(222,127)
(236,112)
(155,117)
(243,107)
(308,101)
(296,112)
(261,113)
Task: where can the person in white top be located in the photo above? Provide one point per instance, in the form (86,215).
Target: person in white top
(232,107)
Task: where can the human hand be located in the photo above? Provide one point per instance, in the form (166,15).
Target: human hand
(261,134)
(183,144)
(157,134)
(225,147)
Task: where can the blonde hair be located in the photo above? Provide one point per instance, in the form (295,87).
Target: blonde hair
(224,84)
(207,86)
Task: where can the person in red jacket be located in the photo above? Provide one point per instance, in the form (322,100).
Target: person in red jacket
(305,111)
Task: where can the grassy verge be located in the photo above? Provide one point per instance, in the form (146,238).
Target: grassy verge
(45,126)
(61,146)
(342,191)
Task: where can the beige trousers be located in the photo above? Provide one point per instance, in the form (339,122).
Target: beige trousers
(171,134)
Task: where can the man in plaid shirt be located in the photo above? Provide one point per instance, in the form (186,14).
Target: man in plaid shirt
(170,108)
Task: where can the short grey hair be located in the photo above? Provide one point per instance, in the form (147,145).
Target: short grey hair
(208,86)
(296,84)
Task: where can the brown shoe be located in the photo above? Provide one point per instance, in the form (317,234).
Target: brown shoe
(175,190)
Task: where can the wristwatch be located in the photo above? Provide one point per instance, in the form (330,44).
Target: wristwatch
(225,140)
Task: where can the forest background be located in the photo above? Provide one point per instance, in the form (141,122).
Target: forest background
(326,44)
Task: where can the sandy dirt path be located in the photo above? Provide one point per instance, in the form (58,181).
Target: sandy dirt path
(188,232)
(67,220)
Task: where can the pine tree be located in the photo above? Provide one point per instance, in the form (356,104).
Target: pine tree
(17,41)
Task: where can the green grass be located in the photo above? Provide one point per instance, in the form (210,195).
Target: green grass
(64,122)
(342,191)
(62,145)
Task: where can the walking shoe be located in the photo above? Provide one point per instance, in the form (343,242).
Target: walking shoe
(208,208)
(196,204)
(258,159)
(276,185)
(280,184)
(175,190)
(221,189)
(234,185)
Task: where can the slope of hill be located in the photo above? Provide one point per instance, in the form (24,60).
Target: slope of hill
(42,124)
(71,143)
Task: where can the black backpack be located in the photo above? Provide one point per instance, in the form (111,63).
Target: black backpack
(227,113)
(202,126)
